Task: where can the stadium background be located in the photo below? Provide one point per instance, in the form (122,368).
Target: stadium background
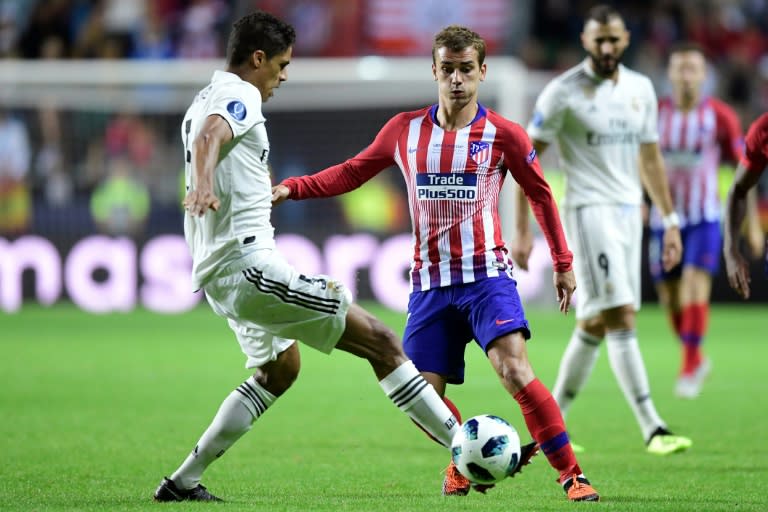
(104,164)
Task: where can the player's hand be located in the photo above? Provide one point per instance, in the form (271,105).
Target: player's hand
(565,284)
(279,194)
(521,248)
(672,249)
(199,201)
(738,272)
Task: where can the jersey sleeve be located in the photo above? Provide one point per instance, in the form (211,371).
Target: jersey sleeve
(548,114)
(729,134)
(349,175)
(755,158)
(521,160)
(649,132)
(239,104)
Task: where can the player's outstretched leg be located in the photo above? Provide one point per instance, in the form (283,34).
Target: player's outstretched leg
(367,337)
(234,418)
(542,416)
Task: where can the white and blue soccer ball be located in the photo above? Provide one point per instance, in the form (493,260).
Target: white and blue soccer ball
(486,449)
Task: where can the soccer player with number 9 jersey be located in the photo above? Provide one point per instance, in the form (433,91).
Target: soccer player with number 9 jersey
(603,117)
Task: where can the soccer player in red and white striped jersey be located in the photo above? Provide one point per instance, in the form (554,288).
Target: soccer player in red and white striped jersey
(751,166)
(696,133)
(454,157)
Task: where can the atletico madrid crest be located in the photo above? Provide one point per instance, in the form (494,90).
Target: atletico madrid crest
(480,152)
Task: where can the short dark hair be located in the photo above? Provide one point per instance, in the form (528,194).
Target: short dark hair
(687,46)
(456,38)
(602,13)
(258,31)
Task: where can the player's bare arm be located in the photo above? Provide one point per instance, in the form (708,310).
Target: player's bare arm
(654,178)
(753,229)
(735,211)
(205,155)
(522,246)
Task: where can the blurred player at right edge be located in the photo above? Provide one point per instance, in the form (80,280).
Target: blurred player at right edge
(751,167)
(696,132)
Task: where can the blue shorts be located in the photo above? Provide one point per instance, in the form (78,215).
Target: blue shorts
(702,244)
(442,321)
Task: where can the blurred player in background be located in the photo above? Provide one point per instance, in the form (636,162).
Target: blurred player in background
(603,117)
(696,133)
(266,302)
(454,157)
(752,165)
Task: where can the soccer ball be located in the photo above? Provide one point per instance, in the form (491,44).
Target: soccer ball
(486,449)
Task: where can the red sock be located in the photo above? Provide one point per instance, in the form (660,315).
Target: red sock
(692,329)
(676,319)
(455,412)
(546,425)
(453,408)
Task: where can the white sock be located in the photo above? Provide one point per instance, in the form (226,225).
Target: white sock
(576,366)
(629,369)
(418,399)
(235,417)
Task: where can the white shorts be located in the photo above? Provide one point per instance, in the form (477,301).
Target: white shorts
(606,241)
(269,305)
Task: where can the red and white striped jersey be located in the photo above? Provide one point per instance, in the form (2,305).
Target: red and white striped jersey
(453,180)
(693,144)
(755,158)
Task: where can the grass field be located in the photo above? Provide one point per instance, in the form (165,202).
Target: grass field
(96,409)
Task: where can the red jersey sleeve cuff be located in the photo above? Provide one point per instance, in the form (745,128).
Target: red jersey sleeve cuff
(563,262)
(291,185)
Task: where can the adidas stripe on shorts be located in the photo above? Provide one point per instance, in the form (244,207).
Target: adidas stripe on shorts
(269,305)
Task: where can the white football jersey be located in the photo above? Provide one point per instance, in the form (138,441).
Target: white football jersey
(241,180)
(599,126)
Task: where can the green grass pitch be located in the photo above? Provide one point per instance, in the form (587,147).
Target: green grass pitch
(96,409)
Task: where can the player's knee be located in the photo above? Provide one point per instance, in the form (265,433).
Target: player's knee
(622,317)
(593,326)
(277,384)
(386,347)
(278,379)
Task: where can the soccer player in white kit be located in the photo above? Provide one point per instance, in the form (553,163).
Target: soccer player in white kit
(266,302)
(603,117)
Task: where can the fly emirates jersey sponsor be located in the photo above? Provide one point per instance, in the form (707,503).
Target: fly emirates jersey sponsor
(599,126)
(241,179)
(693,144)
(453,180)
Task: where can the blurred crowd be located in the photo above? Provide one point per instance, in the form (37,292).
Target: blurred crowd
(123,153)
